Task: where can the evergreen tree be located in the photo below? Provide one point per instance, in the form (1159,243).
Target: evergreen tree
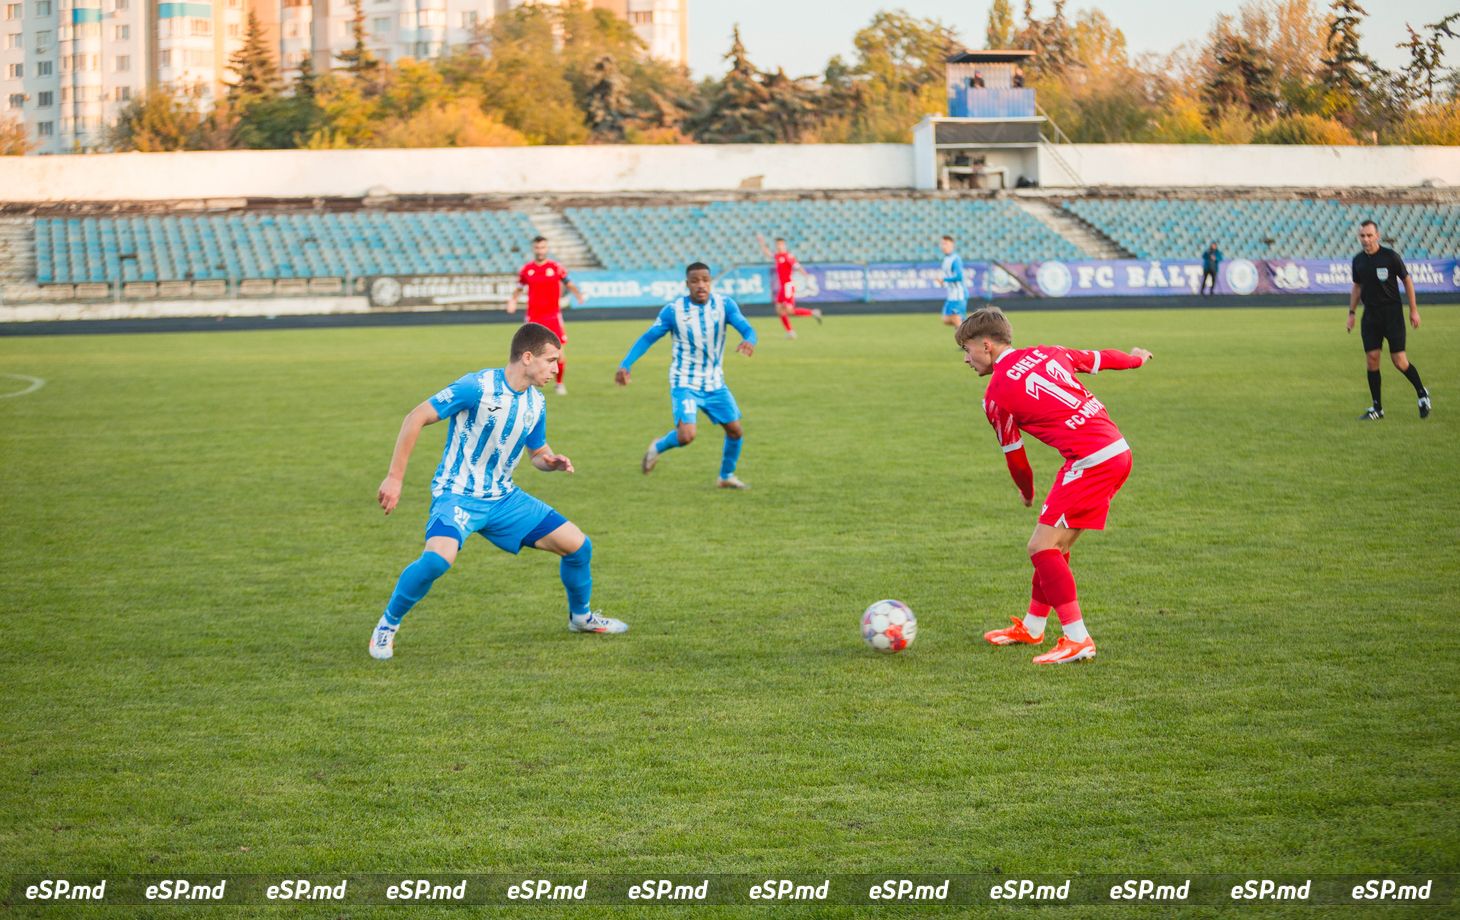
(606,103)
(1346,69)
(739,106)
(1240,77)
(1000,31)
(358,60)
(255,89)
(155,121)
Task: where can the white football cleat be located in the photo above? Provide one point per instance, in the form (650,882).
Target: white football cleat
(651,457)
(561,390)
(732,482)
(382,640)
(592,622)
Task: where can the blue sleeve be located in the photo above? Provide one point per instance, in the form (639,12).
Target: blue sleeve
(955,271)
(464,393)
(537,437)
(734,317)
(662,327)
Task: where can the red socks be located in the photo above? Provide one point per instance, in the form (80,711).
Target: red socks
(560,370)
(802,311)
(786,321)
(1057,583)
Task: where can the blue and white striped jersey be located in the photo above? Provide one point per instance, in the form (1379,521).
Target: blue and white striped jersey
(490,424)
(699,340)
(953,283)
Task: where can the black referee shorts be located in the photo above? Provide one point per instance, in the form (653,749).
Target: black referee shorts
(1382,323)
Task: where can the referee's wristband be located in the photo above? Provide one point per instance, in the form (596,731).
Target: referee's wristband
(1353,312)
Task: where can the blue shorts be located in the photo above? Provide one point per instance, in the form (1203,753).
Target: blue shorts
(719,405)
(954,307)
(510,522)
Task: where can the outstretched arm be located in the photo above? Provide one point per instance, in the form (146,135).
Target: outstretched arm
(1109,359)
(405,442)
(662,327)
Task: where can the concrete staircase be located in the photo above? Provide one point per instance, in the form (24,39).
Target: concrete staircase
(1090,241)
(565,243)
(17,261)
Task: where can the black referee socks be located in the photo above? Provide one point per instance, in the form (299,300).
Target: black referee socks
(1413,376)
(1374,383)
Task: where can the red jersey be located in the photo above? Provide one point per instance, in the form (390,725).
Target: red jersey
(544,282)
(785,263)
(1035,390)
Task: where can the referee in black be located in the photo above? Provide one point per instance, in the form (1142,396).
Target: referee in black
(1377,271)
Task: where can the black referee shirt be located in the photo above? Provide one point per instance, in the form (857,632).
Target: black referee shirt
(1378,277)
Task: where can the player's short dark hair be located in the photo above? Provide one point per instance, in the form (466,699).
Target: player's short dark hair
(531,338)
(947,237)
(780,239)
(539,239)
(1370,223)
(694,267)
(988,323)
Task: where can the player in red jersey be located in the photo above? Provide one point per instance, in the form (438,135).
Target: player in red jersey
(544,280)
(785,295)
(1035,390)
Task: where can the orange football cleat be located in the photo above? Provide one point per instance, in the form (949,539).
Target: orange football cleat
(1011,635)
(1066,651)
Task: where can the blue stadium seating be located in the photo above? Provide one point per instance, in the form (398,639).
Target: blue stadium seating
(1181,229)
(844,230)
(272,246)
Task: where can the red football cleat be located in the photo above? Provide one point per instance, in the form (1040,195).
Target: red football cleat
(1011,635)
(1066,651)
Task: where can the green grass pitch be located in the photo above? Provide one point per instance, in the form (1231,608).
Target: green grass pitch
(192,561)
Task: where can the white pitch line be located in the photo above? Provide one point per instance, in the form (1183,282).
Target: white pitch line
(35,384)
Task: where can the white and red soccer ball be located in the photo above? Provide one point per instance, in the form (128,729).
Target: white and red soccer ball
(889,626)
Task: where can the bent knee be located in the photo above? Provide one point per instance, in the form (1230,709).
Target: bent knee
(686,436)
(734,432)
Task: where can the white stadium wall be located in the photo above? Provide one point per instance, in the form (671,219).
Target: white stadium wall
(688,168)
(454,171)
(1249,166)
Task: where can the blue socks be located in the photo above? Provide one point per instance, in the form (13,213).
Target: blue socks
(413,584)
(577,577)
(668,442)
(730,457)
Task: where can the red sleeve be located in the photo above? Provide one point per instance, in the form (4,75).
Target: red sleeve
(1006,430)
(1109,359)
(522,275)
(562,273)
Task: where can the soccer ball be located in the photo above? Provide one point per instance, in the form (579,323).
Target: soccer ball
(889,626)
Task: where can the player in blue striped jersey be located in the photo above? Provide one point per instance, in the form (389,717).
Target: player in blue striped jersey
(495,415)
(955,288)
(698,323)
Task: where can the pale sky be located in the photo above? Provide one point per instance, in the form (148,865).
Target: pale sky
(800,35)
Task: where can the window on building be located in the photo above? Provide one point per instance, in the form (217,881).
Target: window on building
(234,30)
(12,10)
(17,100)
(124,93)
(45,99)
(65,126)
(198,58)
(123,33)
(15,71)
(45,129)
(164,59)
(43,7)
(235,4)
(642,17)
(65,32)
(122,4)
(65,94)
(43,40)
(380,25)
(202,27)
(122,63)
(432,18)
(44,68)
(469,19)
(13,39)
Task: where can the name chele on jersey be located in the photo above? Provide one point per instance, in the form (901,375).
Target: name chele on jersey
(487,434)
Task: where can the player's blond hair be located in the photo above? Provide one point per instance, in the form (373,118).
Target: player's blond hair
(988,323)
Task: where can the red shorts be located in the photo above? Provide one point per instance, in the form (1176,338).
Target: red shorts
(786,293)
(1080,499)
(554,322)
